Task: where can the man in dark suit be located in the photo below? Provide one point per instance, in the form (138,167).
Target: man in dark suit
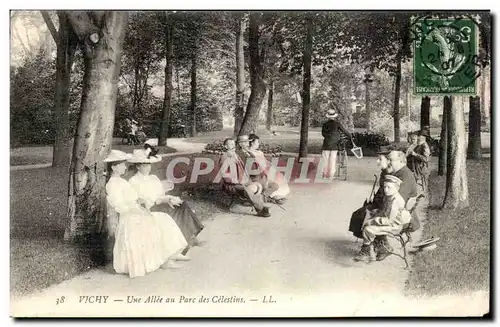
(331,132)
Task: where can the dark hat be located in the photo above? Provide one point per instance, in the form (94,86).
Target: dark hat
(423,132)
(383,152)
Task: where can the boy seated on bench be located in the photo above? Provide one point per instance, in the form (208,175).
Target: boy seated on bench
(389,219)
(235,179)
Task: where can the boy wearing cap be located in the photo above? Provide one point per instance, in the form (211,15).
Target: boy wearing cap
(389,219)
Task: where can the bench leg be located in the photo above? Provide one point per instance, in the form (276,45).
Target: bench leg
(403,245)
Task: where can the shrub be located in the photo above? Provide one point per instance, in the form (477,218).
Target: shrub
(217,147)
(372,141)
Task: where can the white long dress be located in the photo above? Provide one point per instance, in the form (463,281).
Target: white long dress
(139,243)
(150,188)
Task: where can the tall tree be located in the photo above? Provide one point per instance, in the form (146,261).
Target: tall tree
(457,192)
(306,91)
(474,145)
(143,51)
(443,141)
(192,105)
(258,86)
(269,116)
(66,43)
(239,110)
(425,112)
(101,35)
(167,100)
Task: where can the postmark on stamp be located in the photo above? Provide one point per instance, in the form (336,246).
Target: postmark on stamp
(445,56)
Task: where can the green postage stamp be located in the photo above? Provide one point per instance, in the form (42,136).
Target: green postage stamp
(445,56)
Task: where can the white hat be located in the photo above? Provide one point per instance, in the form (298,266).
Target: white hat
(142,156)
(331,113)
(117,155)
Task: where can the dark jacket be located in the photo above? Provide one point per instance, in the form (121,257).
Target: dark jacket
(331,133)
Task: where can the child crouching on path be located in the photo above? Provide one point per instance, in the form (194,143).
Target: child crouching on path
(388,220)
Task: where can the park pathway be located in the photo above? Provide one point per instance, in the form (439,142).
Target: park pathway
(302,257)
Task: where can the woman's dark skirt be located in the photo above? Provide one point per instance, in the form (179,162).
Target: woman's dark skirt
(184,217)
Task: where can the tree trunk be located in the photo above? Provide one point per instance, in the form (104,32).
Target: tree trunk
(456,168)
(87,197)
(425,112)
(258,85)
(443,142)
(269,116)
(239,110)
(474,146)
(367,107)
(397,94)
(167,100)
(66,47)
(193,95)
(306,91)
(484,107)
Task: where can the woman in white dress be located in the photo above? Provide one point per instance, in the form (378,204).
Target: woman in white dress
(153,191)
(140,242)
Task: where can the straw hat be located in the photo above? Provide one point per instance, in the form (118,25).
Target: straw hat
(331,113)
(117,155)
(428,244)
(243,138)
(143,156)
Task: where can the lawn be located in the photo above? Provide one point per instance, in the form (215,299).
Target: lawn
(32,155)
(461,263)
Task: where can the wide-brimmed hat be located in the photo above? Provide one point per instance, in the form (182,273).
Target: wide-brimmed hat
(331,113)
(243,138)
(428,244)
(117,155)
(143,156)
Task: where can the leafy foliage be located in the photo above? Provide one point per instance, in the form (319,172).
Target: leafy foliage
(32,121)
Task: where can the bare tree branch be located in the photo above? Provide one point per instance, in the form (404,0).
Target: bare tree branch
(50,26)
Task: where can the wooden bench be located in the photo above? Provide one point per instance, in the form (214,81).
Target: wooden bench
(406,231)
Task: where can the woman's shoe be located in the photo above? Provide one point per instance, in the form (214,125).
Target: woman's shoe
(180,257)
(197,242)
(170,264)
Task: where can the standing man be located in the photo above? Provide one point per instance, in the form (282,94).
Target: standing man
(331,134)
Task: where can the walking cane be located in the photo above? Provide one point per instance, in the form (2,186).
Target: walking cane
(372,193)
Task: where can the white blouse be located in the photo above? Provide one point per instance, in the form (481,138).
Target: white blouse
(122,196)
(148,187)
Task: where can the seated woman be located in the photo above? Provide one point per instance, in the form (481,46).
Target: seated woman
(142,244)
(276,185)
(153,191)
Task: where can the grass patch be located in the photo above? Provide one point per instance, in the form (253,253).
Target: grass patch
(461,262)
(33,155)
